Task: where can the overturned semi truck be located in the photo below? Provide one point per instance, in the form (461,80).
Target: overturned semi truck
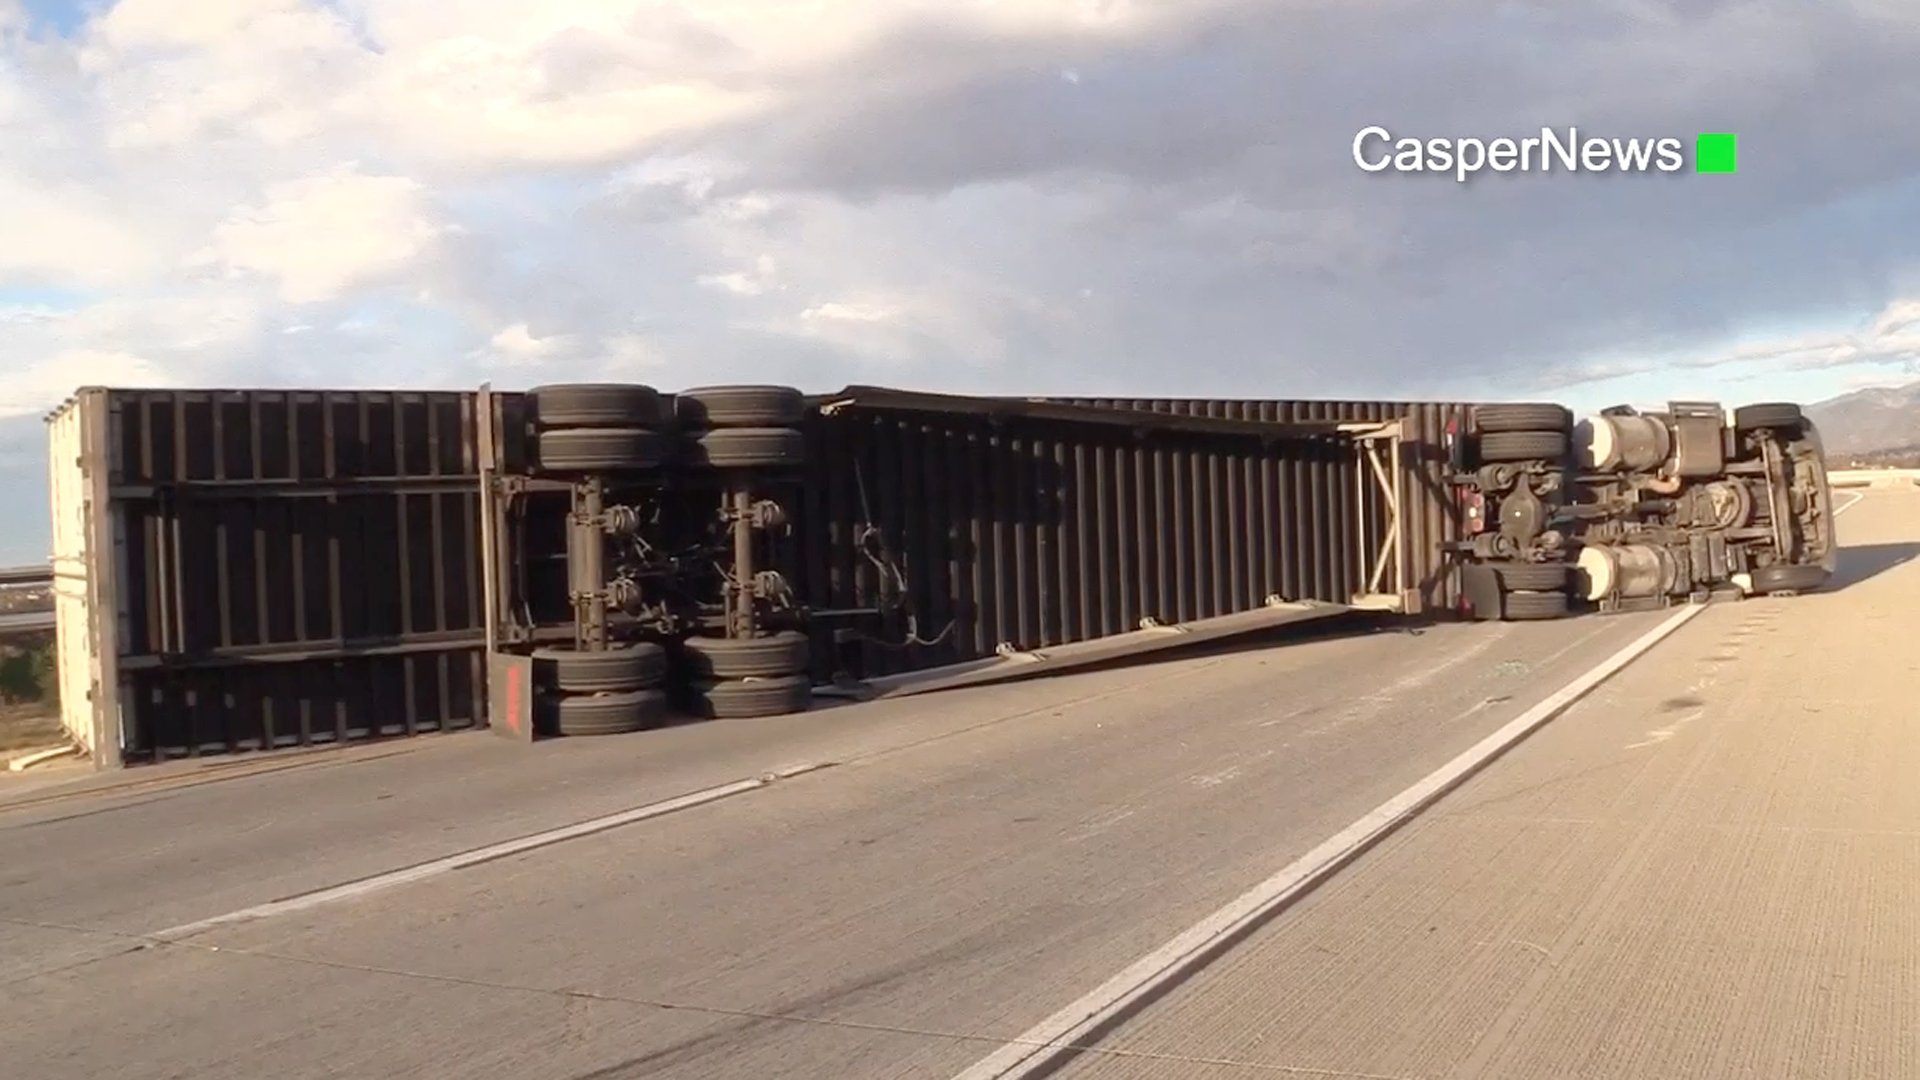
(247,569)
(1629,510)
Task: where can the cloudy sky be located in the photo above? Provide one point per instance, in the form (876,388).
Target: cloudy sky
(1150,197)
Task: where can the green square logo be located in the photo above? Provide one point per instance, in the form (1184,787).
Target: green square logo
(1716,152)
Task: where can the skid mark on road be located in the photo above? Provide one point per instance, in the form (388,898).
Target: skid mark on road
(1694,699)
(1094,826)
(1215,779)
(1660,735)
(1396,691)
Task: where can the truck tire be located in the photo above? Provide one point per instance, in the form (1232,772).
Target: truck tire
(637,665)
(609,714)
(599,449)
(1523,446)
(598,405)
(1522,417)
(1533,576)
(1786,578)
(1535,606)
(745,699)
(784,653)
(1773,414)
(739,448)
(741,407)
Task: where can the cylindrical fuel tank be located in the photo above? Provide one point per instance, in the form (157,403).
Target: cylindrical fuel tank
(1622,443)
(1627,570)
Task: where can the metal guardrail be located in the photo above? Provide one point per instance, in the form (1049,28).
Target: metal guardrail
(19,622)
(24,576)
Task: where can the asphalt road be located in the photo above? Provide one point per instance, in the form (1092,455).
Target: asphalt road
(965,863)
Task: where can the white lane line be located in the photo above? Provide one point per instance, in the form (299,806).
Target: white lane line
(1857,496)
(1049,1042)
(420,872)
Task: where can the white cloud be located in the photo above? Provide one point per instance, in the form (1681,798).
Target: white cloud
(49,380)
(516,345)
(972,333)
(502,82)
(1891,337)
(71,236)
(321,236)
(1897,318)
(1887,345)
(750,207)
(752,282)
(172,339)
(630,356)
(170,72)
(855,311)
(738,283)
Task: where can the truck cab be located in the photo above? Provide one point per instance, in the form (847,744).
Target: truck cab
(1629,510)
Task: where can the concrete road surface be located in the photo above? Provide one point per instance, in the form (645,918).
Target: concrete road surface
(1710,868)
(1624,886)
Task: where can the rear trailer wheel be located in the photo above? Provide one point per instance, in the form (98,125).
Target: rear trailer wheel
(599,449)
(589,405)
(744,699)
(1773,414)
(1533,577)
(1522,417)
(627,666)
(784,653)
(738,448)
(609,714)
(1788,579)
(1523,446)
(741,406)
(1534,606)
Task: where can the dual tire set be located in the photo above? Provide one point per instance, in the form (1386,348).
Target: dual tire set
(1519,434)
(740,678)
(610,692)
(625,427)
(1531,591)
(1524,433)
(735,434)
(742,432)
(613,428)
(625,688)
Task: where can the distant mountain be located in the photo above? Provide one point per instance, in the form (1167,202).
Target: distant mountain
(1871,421)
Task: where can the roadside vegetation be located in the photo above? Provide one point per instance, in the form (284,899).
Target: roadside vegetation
(29,681)
(29,694)
(27,675)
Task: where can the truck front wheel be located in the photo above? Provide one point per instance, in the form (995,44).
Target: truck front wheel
(1534,606)
(1784,578)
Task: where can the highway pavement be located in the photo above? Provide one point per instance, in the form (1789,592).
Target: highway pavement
(1708,868)
(1702,868)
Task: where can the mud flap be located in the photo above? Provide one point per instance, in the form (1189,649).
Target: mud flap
(1480,589)
(510,696)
